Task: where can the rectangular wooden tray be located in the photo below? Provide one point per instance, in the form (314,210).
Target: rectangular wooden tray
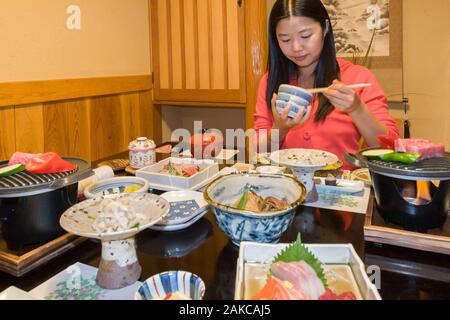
(20,264)
(377,230)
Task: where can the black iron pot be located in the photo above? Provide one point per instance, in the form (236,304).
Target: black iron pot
(34,219)
(394,208)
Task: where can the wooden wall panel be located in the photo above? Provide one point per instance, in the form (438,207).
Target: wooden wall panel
(90,128)
(21,93)
(177,49)
(66,128)
(203,44)
(7,133)
(160,22)
(218,57)
(107,131)
(29,125)
(190,44)
(233,45)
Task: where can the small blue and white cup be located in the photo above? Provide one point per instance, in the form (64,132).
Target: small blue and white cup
(160,285)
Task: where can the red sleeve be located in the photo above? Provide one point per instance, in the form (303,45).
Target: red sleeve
(373,97)
(263,117)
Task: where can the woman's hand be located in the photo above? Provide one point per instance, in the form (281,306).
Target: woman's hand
(343,97)
(283,122)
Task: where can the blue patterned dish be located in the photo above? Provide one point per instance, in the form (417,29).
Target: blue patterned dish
(184,206)
(159,285)
(241,225)
(116,185)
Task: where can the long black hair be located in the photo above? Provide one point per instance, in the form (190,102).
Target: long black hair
(281,69)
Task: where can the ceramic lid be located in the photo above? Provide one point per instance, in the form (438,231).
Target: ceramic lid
(142,143)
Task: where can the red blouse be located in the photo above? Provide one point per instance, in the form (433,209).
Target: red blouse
(337,134)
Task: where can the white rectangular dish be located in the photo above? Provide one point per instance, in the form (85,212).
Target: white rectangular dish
(342,185)
(255,259)
(162,181)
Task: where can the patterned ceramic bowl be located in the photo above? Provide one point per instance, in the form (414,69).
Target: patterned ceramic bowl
(116,185)
(297,102)
(242,225)
(179,283)
(296,91)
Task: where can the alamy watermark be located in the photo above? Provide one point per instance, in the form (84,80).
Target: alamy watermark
(73,21)
(261,141)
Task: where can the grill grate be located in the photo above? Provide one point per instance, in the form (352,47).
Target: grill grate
(429,168)
(25,179)
(25,183)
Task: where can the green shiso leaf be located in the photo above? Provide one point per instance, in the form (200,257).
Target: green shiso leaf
(297,251)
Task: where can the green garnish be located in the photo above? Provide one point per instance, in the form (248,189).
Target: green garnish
(92,218)
(297,251)
(136,225)
(172,170)
(243,201)
(115,229)
(402,157)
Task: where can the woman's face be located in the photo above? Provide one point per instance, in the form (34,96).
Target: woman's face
(300,40)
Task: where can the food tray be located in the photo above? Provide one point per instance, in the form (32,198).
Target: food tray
(328,254)
(208,169)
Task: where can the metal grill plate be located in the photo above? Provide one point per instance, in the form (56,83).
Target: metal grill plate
(25,181)
(438,168)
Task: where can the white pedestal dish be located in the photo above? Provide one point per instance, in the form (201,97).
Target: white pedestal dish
(119,266)
(304,163)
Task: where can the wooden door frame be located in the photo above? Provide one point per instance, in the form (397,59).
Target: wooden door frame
(256,50)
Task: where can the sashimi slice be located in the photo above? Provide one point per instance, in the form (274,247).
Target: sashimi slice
(301,275)
(276,289)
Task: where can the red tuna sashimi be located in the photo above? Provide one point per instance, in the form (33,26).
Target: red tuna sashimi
(49,162)
(331,295)
(301,275)
(275,289)
(22,158)
(190,171)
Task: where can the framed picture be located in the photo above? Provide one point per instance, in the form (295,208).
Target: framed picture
(362,24)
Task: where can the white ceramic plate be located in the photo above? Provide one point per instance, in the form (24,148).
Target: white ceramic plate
(347,186)
(79,218)
(303,158)
(181,226)
(184,205)
(14,293)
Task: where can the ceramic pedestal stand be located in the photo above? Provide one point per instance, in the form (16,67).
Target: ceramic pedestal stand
(304,163)
(119,266)
(306,176)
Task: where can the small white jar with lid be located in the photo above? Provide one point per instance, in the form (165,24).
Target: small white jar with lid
(142,152)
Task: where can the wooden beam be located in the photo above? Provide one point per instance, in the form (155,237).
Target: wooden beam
(20,93)
(256,52)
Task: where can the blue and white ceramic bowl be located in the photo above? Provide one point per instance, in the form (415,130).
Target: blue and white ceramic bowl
(116,185)
(158,286)
(297,97)
(242,225)
(296,91)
